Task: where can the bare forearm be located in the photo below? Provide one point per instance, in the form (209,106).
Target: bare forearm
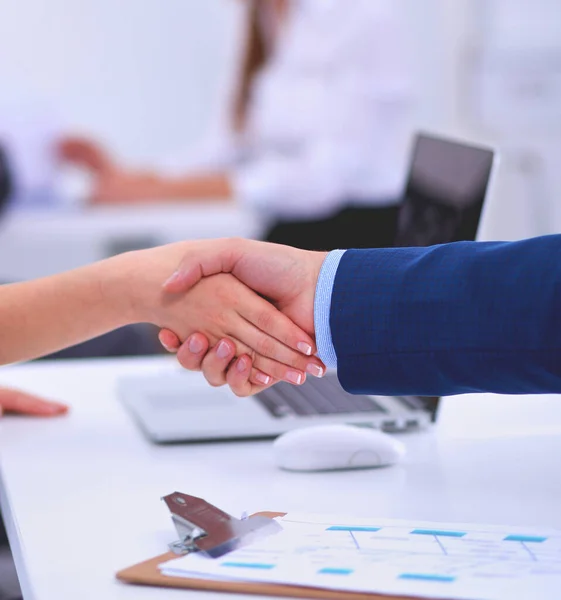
(42,316)
(211,186)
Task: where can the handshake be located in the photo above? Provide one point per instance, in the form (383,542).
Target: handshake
(243,312)
(433,321)
(239,310)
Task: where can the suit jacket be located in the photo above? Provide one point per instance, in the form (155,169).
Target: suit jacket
(450,319)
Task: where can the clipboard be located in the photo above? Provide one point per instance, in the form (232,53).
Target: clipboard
(147,573)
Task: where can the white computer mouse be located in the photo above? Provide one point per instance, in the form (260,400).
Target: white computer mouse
(327,447)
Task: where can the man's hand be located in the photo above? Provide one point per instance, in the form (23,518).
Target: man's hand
(15,401)
(285,276)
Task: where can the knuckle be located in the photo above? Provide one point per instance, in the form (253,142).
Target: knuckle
(189,361)
(297,361)
(240,392)
(214,380)
(264,320)
(270,367)
(266,346)
(214,373)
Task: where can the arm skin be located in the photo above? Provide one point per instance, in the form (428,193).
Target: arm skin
(122,187)
(115,185)
(443,320)
(42,316)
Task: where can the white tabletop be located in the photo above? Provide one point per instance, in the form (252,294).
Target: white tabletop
(42,242)
(81,494)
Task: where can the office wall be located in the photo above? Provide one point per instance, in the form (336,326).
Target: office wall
(526,197)
(146,77)
(142,75)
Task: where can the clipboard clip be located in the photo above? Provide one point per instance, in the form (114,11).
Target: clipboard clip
(202,527)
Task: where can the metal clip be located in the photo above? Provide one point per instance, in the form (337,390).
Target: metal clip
(202,527)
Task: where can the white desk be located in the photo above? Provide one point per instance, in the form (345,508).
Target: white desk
(82,494)
(39,243)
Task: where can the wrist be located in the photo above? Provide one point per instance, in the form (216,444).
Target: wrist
(122,287)
(135,279)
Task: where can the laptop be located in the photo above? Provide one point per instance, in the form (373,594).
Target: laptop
(446,186)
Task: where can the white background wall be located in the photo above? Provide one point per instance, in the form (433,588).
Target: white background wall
(147,77)
(142,75)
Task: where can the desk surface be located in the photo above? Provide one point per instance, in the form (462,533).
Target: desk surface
(81,494)
(42,242)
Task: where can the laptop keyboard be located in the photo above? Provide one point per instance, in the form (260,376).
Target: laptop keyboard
(323,396)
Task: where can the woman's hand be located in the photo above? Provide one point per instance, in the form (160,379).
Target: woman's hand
(18,402)
(219,365)
(222,307)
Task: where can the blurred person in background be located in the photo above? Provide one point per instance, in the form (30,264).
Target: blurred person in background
(316,135)
(31,139)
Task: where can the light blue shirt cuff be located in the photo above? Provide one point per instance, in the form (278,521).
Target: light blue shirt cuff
(322,308)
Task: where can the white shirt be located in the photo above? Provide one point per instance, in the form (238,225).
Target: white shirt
(29,131)
(329,115)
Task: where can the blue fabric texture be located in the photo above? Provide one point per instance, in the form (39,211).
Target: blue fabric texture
(450,319)
(322,307)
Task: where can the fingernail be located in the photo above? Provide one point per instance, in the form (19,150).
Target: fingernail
(195,345)
(294,377)
(305,348)
(241,365)
(223,350)
(314,370)
(262,378)
(56,409)
(174,277)
(168,348)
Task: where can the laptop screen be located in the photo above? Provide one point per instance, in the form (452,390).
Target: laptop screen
(444,195)
(445,191)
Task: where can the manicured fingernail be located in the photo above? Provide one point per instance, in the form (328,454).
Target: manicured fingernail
(262,378)
(56,409)
(195,345)
(314,370)
(174,277)
(242,365)
(294,377)
(168,348)
(304,348)
(223,350)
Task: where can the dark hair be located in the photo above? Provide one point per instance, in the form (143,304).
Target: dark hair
(254,57)
(6,183)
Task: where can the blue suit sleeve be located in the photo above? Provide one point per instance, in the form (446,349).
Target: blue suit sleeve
(450,319)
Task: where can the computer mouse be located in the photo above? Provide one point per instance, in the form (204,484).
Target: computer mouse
(329,447)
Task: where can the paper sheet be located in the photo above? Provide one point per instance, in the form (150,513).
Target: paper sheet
(433,560)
